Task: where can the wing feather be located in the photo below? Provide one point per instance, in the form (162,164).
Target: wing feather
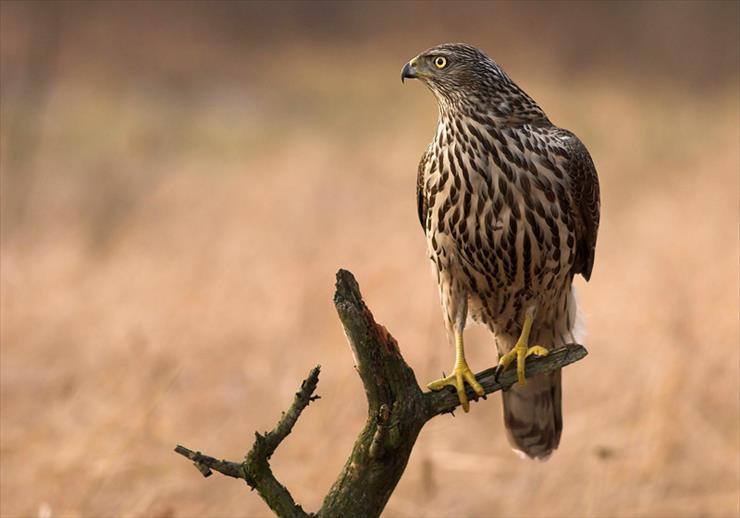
(421,199)
(586,204)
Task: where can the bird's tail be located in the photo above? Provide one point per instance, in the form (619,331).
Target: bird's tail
(532,412)
(533,416)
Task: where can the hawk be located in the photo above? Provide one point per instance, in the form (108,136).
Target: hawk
(509,204)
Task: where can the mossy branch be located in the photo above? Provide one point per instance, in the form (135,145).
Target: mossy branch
(397,411)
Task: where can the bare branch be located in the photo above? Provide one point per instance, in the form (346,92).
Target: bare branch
(205,464)
(397,411)
(255,470)
(303,397)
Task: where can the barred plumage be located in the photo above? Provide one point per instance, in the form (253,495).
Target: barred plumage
(510,207)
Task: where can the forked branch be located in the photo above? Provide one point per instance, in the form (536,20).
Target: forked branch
(255,469)
(397,411)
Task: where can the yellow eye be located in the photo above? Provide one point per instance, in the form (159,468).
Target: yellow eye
(440,62)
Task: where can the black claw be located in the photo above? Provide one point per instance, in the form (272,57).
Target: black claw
(497,372)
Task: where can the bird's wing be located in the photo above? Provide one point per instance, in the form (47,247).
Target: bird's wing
(585,202)
(421,199)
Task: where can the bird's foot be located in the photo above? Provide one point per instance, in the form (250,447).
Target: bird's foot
(519,353)
(460,375)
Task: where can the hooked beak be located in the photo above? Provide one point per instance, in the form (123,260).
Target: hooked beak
(409,71)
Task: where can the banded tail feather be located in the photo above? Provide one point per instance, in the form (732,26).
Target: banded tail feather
(533,415)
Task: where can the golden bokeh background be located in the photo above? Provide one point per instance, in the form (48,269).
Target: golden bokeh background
(180,182)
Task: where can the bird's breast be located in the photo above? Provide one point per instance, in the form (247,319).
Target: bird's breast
(496,210)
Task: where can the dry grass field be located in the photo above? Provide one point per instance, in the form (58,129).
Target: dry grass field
(181,182)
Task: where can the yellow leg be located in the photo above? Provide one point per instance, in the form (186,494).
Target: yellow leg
(521,351)
(460,374)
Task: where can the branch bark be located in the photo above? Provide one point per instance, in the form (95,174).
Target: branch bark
(397,411)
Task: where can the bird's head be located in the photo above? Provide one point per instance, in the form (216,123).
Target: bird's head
(455,70)
(463,77)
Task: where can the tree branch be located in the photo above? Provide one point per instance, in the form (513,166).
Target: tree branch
(255,469)
(446,401)
(397,411)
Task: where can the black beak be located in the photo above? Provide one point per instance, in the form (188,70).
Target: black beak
(408,72)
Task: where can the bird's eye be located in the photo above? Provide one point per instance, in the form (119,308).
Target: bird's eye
(440,62)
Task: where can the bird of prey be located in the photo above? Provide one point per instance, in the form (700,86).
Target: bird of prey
(509,204)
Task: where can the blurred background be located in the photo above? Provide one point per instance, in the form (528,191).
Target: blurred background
(181,181)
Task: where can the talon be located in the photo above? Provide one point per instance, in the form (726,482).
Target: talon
(537,350)
(460,375)
(470,378)
(497,372)
(520,352)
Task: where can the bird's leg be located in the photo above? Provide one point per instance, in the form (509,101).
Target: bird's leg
(461,373)
(521,351)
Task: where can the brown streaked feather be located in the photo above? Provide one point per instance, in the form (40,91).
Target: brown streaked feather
(421,201)
(584,190)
